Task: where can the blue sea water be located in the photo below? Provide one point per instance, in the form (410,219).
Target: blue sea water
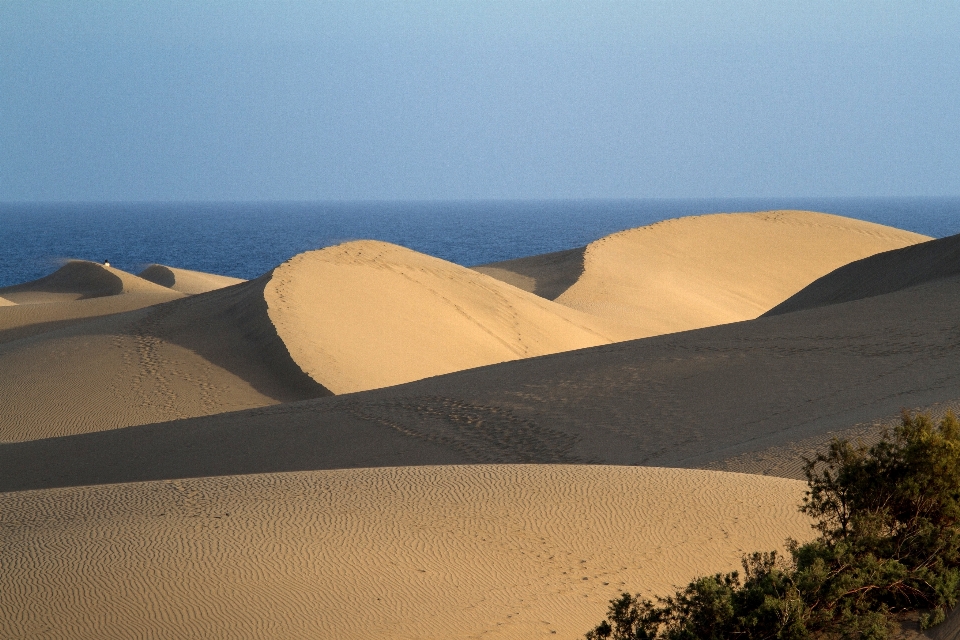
(248,239)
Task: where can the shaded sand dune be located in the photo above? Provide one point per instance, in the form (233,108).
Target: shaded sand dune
(186,281)
(427,552)
(882,273)
(548,275)
(199,355)
(690,399)
(700,271)
(346,318)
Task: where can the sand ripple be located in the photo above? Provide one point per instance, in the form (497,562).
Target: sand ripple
(423,552)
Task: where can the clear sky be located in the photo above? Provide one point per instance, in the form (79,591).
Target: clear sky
(195,100)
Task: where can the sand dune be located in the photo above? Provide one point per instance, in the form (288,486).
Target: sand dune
(193,356)
(701,271)
(368,314)
(347,318)
(882,273)
(427,552)
(690,399)
(6,303)
(186,281)
(78,280)
(75,291)
(360,316)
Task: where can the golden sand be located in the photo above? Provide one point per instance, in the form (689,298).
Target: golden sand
(186,281)
(177,374)
(420,552)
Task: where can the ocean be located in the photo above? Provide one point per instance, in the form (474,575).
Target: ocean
(247,239)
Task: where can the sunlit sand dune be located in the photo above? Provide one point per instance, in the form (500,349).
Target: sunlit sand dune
(705,270)
(425,552)
(186,281)
(368,314)
(879,274)
(6,303)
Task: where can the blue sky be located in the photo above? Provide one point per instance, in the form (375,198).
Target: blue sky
(112,101)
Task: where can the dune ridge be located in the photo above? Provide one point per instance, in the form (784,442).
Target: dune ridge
(185,280)
(701,271)
(368,314)
(714,269)
(6,303)
(514,551)
(347,318)
(879,274)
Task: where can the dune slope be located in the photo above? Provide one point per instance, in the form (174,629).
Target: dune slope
(548,275)
(78,280)
(690,399)
(185,280)
(882,273)
(700,271)
(192,356)
(75,291)
(427,552)
(369,314)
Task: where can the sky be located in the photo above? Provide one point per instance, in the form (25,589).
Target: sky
(196,101)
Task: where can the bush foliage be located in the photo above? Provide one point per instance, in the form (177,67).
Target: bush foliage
(888,519)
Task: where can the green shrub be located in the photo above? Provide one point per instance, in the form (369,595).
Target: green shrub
(888,519)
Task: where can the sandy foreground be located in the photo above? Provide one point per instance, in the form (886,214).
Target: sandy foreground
(424,552)
(276,441)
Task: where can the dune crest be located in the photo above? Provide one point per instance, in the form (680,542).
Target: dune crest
(516,551)
(700,271)
(369,314)
(756,394)
(185,280)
